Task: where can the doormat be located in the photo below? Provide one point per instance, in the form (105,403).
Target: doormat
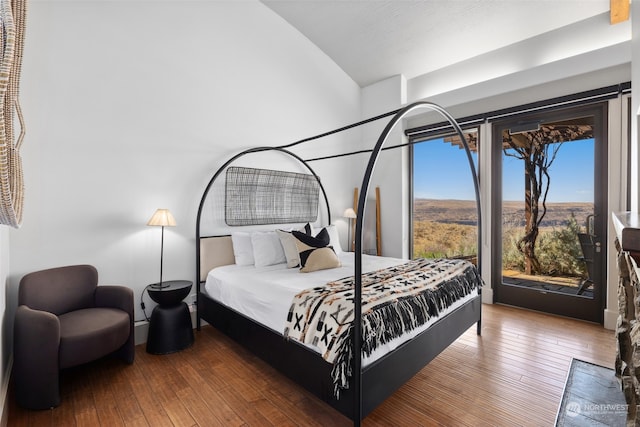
(592,397)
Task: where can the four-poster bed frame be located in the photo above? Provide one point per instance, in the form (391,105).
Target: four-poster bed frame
(380,378)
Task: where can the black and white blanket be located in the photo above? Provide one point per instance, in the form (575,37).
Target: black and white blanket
(394,300)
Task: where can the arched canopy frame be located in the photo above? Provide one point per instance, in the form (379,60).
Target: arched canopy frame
(398,115)
(223,168)
(362,201)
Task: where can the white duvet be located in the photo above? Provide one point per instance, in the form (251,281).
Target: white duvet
(264,294)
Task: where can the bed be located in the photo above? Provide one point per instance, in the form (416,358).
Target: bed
(233,298)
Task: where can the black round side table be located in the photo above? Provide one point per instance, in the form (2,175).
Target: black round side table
(170,327)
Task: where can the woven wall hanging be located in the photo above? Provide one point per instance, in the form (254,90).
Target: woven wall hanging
(263,196)
(12,22)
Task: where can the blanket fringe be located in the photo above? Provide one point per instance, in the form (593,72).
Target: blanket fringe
(387,322)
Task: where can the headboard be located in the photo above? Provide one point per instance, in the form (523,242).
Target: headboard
(215,251)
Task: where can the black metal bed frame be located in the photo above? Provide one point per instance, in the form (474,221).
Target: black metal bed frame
(382,377)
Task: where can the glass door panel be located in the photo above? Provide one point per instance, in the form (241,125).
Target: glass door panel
(552,212)
(444,216)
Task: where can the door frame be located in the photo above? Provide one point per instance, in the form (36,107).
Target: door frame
(591,309)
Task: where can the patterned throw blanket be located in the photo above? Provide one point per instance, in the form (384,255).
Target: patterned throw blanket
(394,300)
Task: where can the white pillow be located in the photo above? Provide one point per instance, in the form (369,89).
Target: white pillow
(289,247)
(242,248)
(289,244)
(267,249)
(334,239)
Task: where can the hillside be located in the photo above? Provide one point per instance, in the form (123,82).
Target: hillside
(437,239)
(464,212)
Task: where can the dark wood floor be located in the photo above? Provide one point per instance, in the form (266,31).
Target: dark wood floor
(512,375)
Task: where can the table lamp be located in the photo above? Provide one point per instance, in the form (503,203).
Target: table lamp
(162,218)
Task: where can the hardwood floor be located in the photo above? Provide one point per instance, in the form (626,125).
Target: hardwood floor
(513,374)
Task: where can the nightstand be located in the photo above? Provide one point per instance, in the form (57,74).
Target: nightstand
(170,327)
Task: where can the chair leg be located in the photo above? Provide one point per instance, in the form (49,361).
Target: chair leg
(36,373)
(35,388)
(128,350)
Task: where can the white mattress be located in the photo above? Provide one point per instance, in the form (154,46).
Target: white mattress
(264,294)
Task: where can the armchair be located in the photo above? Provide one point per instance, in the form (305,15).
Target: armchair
(65,319)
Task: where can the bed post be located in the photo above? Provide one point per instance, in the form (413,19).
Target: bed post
(364,189)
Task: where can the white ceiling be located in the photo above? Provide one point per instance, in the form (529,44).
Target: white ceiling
(372,39)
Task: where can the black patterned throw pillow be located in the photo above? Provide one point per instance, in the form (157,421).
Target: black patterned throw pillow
(315,252)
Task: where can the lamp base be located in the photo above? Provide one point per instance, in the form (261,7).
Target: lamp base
(159,285)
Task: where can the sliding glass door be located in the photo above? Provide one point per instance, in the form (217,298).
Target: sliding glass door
(550,182)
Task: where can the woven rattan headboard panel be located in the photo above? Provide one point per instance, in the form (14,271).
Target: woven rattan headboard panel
(215,251)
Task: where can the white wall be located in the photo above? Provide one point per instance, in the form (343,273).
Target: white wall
(580,48)
(131,106)
(379,98)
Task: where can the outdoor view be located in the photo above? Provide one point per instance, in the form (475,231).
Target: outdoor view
(541,228)
(444,207)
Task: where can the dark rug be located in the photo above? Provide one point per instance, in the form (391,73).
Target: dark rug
(592,397)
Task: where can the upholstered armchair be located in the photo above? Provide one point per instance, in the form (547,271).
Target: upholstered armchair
(65,319)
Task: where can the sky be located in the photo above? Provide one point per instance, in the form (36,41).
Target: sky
(441,171)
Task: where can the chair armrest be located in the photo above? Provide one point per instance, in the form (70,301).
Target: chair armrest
(39,326)
(121,297)
(36,341)
(115,296)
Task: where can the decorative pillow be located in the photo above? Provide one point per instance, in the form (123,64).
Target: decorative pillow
(242,248)
(315,252)
(267,249)
(307,229)
(289,247)
(334,239)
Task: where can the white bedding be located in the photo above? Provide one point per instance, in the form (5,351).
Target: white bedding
(265,293)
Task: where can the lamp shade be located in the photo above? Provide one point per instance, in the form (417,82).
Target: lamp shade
(162,217)
(349,213)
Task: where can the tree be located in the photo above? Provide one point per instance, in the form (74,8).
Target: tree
(538,149)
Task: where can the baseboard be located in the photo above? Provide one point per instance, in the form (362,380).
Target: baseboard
(487,295)
(4,393)
(141,330)
(610,319)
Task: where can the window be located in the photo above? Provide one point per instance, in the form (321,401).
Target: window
(444,215)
